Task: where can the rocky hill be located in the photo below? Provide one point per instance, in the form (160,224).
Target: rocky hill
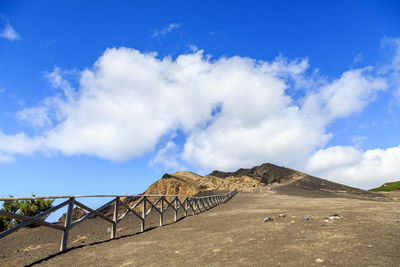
(283,180)
(245,180)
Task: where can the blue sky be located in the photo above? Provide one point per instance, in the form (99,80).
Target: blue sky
(104,97)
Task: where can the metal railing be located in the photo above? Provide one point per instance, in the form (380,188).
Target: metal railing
(159,203)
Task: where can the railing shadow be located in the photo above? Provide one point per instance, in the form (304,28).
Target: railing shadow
(49,257)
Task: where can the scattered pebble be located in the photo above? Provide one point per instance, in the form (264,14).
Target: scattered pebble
(319,260)
(282,215)
(306,217)
(333,218)
(370,246)
(268,219)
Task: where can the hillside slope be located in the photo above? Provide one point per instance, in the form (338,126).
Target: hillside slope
(283,180)
(387,187)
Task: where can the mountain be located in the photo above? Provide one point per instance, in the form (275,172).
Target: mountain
(283,180)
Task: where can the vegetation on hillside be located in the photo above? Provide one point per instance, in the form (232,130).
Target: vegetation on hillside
(387,187)
(23,207)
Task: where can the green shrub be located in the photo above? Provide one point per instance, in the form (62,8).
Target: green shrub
(387,187)
(33,207)
(29,208)
(3,223)
(10,206)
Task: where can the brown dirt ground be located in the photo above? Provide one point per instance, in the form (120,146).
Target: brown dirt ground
(232,234)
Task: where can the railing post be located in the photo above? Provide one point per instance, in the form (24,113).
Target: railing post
(162,212)
(193,206)
(67,224)
(176,209)
(115,218)
(186,206)
(143,214)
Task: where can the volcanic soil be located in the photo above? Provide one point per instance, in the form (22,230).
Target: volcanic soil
(234,234)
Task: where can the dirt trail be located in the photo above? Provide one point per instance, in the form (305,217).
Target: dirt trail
(236,234)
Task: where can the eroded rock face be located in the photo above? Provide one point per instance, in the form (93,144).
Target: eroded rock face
(265,173)
(171,185)
(77,213)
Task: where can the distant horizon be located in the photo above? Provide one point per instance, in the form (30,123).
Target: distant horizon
(104,98)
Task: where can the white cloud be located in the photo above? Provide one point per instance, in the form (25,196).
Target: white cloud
(166,30)
(4,158)
(36,116)
(233,112)
(347,165)
(19,144)
(168,157)
(344,96)
(8,32)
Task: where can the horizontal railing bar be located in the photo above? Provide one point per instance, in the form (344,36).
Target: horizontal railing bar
(86,196)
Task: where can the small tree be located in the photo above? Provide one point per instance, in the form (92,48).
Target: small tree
(3,223)
(10,206)
(29,208)
(33,207)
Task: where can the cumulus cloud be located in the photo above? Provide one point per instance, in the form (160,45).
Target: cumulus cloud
(346,95)
(20,143)
(166,30)
(231,112)
(347,165)
(8,31)
(168,157)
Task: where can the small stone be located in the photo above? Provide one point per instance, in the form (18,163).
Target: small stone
(319,260)
(370,246)
(268,219)
(333,217)
(282,215)
(306,217)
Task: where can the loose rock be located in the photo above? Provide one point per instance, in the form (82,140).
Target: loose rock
(333,218)
(268,219)
(282,215)
(306,217)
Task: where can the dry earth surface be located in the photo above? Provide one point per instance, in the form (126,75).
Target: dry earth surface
(232,234)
